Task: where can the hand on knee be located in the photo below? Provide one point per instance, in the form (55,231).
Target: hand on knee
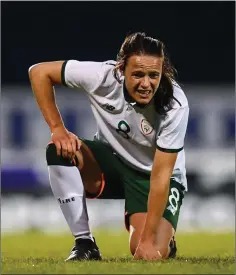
(53,159)
(164,251)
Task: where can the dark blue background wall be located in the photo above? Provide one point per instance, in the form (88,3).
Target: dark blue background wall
(200,36)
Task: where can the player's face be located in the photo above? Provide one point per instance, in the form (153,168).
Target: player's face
(142,77)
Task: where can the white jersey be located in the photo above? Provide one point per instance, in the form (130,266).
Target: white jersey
(134,132)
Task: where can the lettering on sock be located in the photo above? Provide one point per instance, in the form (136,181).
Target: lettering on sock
(66,200)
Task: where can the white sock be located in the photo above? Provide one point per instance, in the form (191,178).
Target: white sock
(68,189)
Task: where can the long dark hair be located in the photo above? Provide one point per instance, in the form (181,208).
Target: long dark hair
(137,44)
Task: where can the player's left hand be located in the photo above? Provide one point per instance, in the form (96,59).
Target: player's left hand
(147,251)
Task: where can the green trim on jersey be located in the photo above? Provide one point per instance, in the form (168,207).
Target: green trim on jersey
(169,150)
(63,73)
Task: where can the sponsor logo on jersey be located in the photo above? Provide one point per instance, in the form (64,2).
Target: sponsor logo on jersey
(108,107)
(146,127)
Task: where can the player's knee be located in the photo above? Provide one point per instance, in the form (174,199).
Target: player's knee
(79,160)
(53,159)
(136,225)
(132,249)
(133,241)
(51,155)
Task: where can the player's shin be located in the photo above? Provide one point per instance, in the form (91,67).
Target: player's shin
(68,189)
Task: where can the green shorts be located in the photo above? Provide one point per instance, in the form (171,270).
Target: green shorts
(124,182)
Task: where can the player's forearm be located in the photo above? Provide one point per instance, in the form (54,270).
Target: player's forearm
(44,94)
(157,200)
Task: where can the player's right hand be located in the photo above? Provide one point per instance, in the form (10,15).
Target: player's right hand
(66,142)
(147,251)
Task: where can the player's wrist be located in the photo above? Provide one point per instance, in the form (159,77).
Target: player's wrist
(56,127)
(149,236)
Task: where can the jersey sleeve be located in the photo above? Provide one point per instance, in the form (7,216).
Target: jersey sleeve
(171,137)
(82,74)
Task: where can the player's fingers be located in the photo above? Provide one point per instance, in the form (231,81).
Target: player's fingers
(137,256)
(64,149)
(159,256)
(150,257)
(79,143)
(69,150)
(58,147)
(73,145)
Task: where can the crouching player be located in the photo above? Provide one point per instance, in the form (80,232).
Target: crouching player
(137,153)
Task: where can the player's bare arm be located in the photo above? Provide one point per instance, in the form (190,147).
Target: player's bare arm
(159,187)
(43,77)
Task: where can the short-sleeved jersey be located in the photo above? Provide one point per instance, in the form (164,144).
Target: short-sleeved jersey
(133,131)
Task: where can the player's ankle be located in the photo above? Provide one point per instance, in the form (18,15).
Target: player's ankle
(85,236)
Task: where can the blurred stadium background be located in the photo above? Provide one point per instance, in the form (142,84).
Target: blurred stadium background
(200,39)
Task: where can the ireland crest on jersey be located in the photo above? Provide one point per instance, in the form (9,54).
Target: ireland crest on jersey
(146,127)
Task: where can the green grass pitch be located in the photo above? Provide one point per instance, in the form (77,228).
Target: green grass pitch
(35,252)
